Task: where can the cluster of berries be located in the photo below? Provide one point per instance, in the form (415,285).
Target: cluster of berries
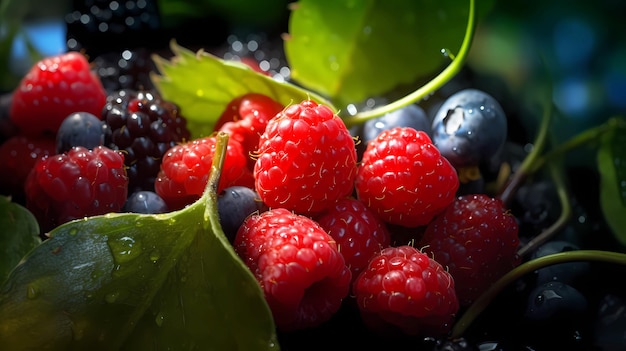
(325,226)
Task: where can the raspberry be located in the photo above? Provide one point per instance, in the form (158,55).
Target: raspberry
(245,119)
(358,232)
(306,159)
(54,88)
(298,266)
(18,155)
(144,127)
(477,239)
(185,170)
(404,179)
(403,290)
(76,184)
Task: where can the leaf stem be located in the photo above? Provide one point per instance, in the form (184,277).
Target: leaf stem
(530,266)
(442,78)
(566,212)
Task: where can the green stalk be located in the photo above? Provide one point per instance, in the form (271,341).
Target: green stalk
(528,267)
(442,78)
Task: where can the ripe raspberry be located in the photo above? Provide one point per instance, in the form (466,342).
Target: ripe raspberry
(306,159)
(298,265)
(144,127)
(18,155)
(76,184)
(185,171)
(245,119)
(477,239)
(358,232)
(402,289)
(54,88)
(404,179)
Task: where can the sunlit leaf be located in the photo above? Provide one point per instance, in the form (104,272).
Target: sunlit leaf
(203,84)
(352,50)
(137,282)
(612,168)
(19,233)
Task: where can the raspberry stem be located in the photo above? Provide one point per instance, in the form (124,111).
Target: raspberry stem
(441,79)
(485,299)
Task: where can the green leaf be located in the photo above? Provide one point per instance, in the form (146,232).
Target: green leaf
(19,234)
(612,168)
(203,84)
(137,282)
(352,50)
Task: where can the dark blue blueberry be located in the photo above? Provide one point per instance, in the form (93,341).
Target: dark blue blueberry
(567,272)
(610,323)
(146,202)
(79,129)
(234,205)
(469,128)
(410,116)
(555,300)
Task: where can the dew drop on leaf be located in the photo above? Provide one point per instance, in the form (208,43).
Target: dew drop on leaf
(111,297)
(124,249)
(32,292)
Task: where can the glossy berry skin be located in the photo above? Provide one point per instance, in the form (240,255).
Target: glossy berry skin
(245,119)
(146,202)
(76,184)
(409,116)
(18,156)
(469,128)
(306,159)
(404,179)
(234,205)
(54,88)
(186,167)
(303,276)
(403,289)
(476,238)
(568,272)
(143,126)
(79,129)
(359,232)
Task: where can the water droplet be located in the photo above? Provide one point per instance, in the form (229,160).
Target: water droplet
(32,292)
(160,317)
(154,256)
(124,249)
(111,297)
(73,231)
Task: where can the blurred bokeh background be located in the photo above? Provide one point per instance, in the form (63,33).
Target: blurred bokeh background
(582,43)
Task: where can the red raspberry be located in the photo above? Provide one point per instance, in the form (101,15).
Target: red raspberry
(76,184)
(185,170)
(245,119)
(54,88)
(306,159)
(402,289)
(298,265)
(477,239)
(358,232)
(18,155)
(404,178)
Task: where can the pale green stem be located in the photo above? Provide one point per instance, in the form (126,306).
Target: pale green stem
(442,78)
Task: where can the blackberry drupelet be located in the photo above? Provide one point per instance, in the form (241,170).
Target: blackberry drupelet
(143,126)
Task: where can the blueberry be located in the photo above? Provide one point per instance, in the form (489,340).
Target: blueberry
(234,205)
(146,202)
(469,128)
(566,273)
(79,129)
(409,116)
(555,300)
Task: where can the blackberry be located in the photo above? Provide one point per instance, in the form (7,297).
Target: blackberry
(128,69)
(144,126)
